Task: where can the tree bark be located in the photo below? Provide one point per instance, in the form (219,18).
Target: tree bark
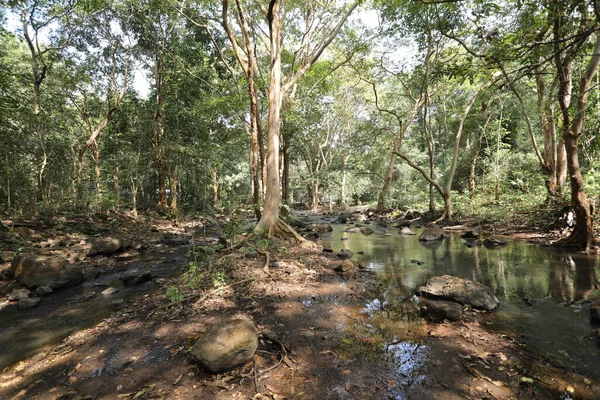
(286,149)
(174,186)
(270,215)
(158,137)
(343,184)
(315,195)
(583,233)
(215,186)
(389,175)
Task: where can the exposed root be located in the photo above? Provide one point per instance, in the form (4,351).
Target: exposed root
(272,337)
(572,241)
(267,261)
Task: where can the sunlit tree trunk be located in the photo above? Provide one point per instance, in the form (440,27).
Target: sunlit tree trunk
(215,186)
(315,195)
(343,184)
(174,187)
(583,233)
(158,137)
(389,175)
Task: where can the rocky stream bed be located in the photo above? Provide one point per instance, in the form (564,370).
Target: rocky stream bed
(329,324)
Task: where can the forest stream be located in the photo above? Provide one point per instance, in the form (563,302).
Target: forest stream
(542,292)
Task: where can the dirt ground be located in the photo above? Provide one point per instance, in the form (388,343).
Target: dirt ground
(338,343)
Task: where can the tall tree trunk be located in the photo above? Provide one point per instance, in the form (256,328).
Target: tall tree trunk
(343,184)
(97,170)
(134,192)
(158,138)
(389,175)
(247,62)
(215,186)
(117,187)
(314,195)
(476,156)
(430,149)
(583,233)
(174,186)
(286,149)
(270,216)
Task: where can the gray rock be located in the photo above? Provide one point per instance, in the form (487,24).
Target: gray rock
(6,273)
(367,231)
(136,278)
(352,230)
(460,290)
(19,294)
(43,290)
(432,234)
(38,270)
(226,345)
(116,303)
(29,302)
(413,215)
(342,218)
(494,242)
(320,228)
(407,231)
(439,310)
(344,253)
(357,217)
(297,223)
(106,245)
(470,234)
(109,292)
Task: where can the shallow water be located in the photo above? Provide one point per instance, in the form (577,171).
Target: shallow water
(24,332)
(542,290)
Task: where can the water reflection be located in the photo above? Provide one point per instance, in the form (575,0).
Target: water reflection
(542,290)
(514,272)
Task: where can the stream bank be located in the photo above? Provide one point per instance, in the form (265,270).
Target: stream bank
(347,340)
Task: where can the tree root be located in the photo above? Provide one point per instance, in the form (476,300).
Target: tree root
(272,337)
(282,230)
(571,241)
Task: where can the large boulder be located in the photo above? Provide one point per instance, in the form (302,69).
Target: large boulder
(460,290)
(432,234)
(39,270)
(226,345)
